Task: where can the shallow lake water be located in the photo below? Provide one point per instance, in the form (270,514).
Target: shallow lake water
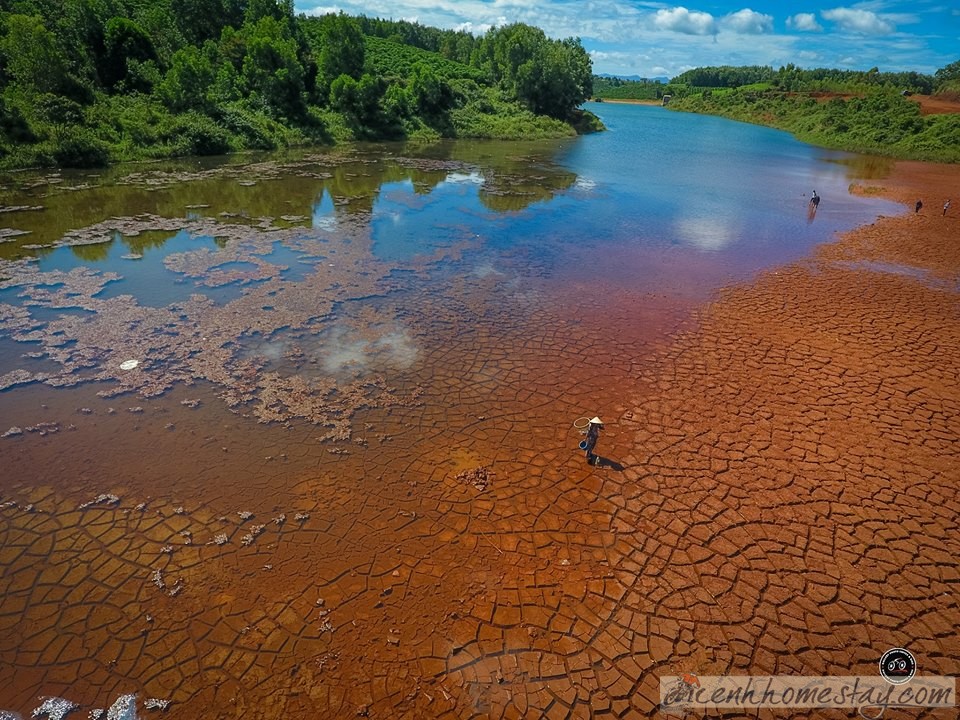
(354,377)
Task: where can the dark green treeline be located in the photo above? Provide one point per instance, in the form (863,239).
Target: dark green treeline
(89,82)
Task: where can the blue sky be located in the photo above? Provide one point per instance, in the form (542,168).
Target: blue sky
(652,39)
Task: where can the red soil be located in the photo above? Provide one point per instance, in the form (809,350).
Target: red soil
(937,104)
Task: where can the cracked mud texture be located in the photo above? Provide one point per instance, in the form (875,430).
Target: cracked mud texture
(778,496)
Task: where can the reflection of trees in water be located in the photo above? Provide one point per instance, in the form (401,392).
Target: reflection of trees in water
(866,167)
(93,253)
(136,244)
(514,176)
(511,193)
(511,182)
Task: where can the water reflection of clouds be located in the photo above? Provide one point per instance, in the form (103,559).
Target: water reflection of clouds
(342,352)
(485,269)
(324,216)
(458,178)
(706,233)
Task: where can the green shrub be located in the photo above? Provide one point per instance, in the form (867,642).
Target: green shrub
(196,134)
(13,125)
(506,121)
(253,130)
(79,147)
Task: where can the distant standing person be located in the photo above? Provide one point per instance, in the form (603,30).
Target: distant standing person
(815,199)
(593,434)
(919,205)
(946,206)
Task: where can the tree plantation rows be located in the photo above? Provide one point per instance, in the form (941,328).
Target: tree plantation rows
(89,82)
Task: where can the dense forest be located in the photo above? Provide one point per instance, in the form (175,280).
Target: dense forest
(90,82)
(865,111)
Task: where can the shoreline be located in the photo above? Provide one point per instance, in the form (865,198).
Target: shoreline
(626,101)
(808,426)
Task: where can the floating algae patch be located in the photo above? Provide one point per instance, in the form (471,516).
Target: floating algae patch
(92,320)
(138,261)
(296,264)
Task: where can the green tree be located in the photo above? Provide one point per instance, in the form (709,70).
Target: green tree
(551,77)
(59,112)
(371,89)
(341,50)
(279,10)
(32,56)
(361,102)
(202,20)
(14,128)
(431,94)
(188,80)
(345,95)
(397,104)
(271,67)
(948,77)
(124,40)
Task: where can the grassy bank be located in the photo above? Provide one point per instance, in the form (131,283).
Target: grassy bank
(878,123)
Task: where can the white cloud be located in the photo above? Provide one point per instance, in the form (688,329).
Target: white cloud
(805,22)
(650,38)
(748,22)
(864,22)
(323,10)
(688,22)
(473,28)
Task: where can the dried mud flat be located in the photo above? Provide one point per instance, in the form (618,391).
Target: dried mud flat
(778,496)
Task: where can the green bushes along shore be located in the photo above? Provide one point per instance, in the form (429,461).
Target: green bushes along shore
(870,112)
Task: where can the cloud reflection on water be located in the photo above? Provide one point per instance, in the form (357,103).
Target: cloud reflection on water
(711,232)
(343,351)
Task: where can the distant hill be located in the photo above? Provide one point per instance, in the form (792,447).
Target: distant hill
(662,79)
(611,87)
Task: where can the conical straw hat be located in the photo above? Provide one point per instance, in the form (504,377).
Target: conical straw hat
(596,421)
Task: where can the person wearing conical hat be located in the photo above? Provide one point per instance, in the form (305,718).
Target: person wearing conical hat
(593,433)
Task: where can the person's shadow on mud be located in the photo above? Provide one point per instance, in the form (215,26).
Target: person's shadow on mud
(592,432)
(602,462)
